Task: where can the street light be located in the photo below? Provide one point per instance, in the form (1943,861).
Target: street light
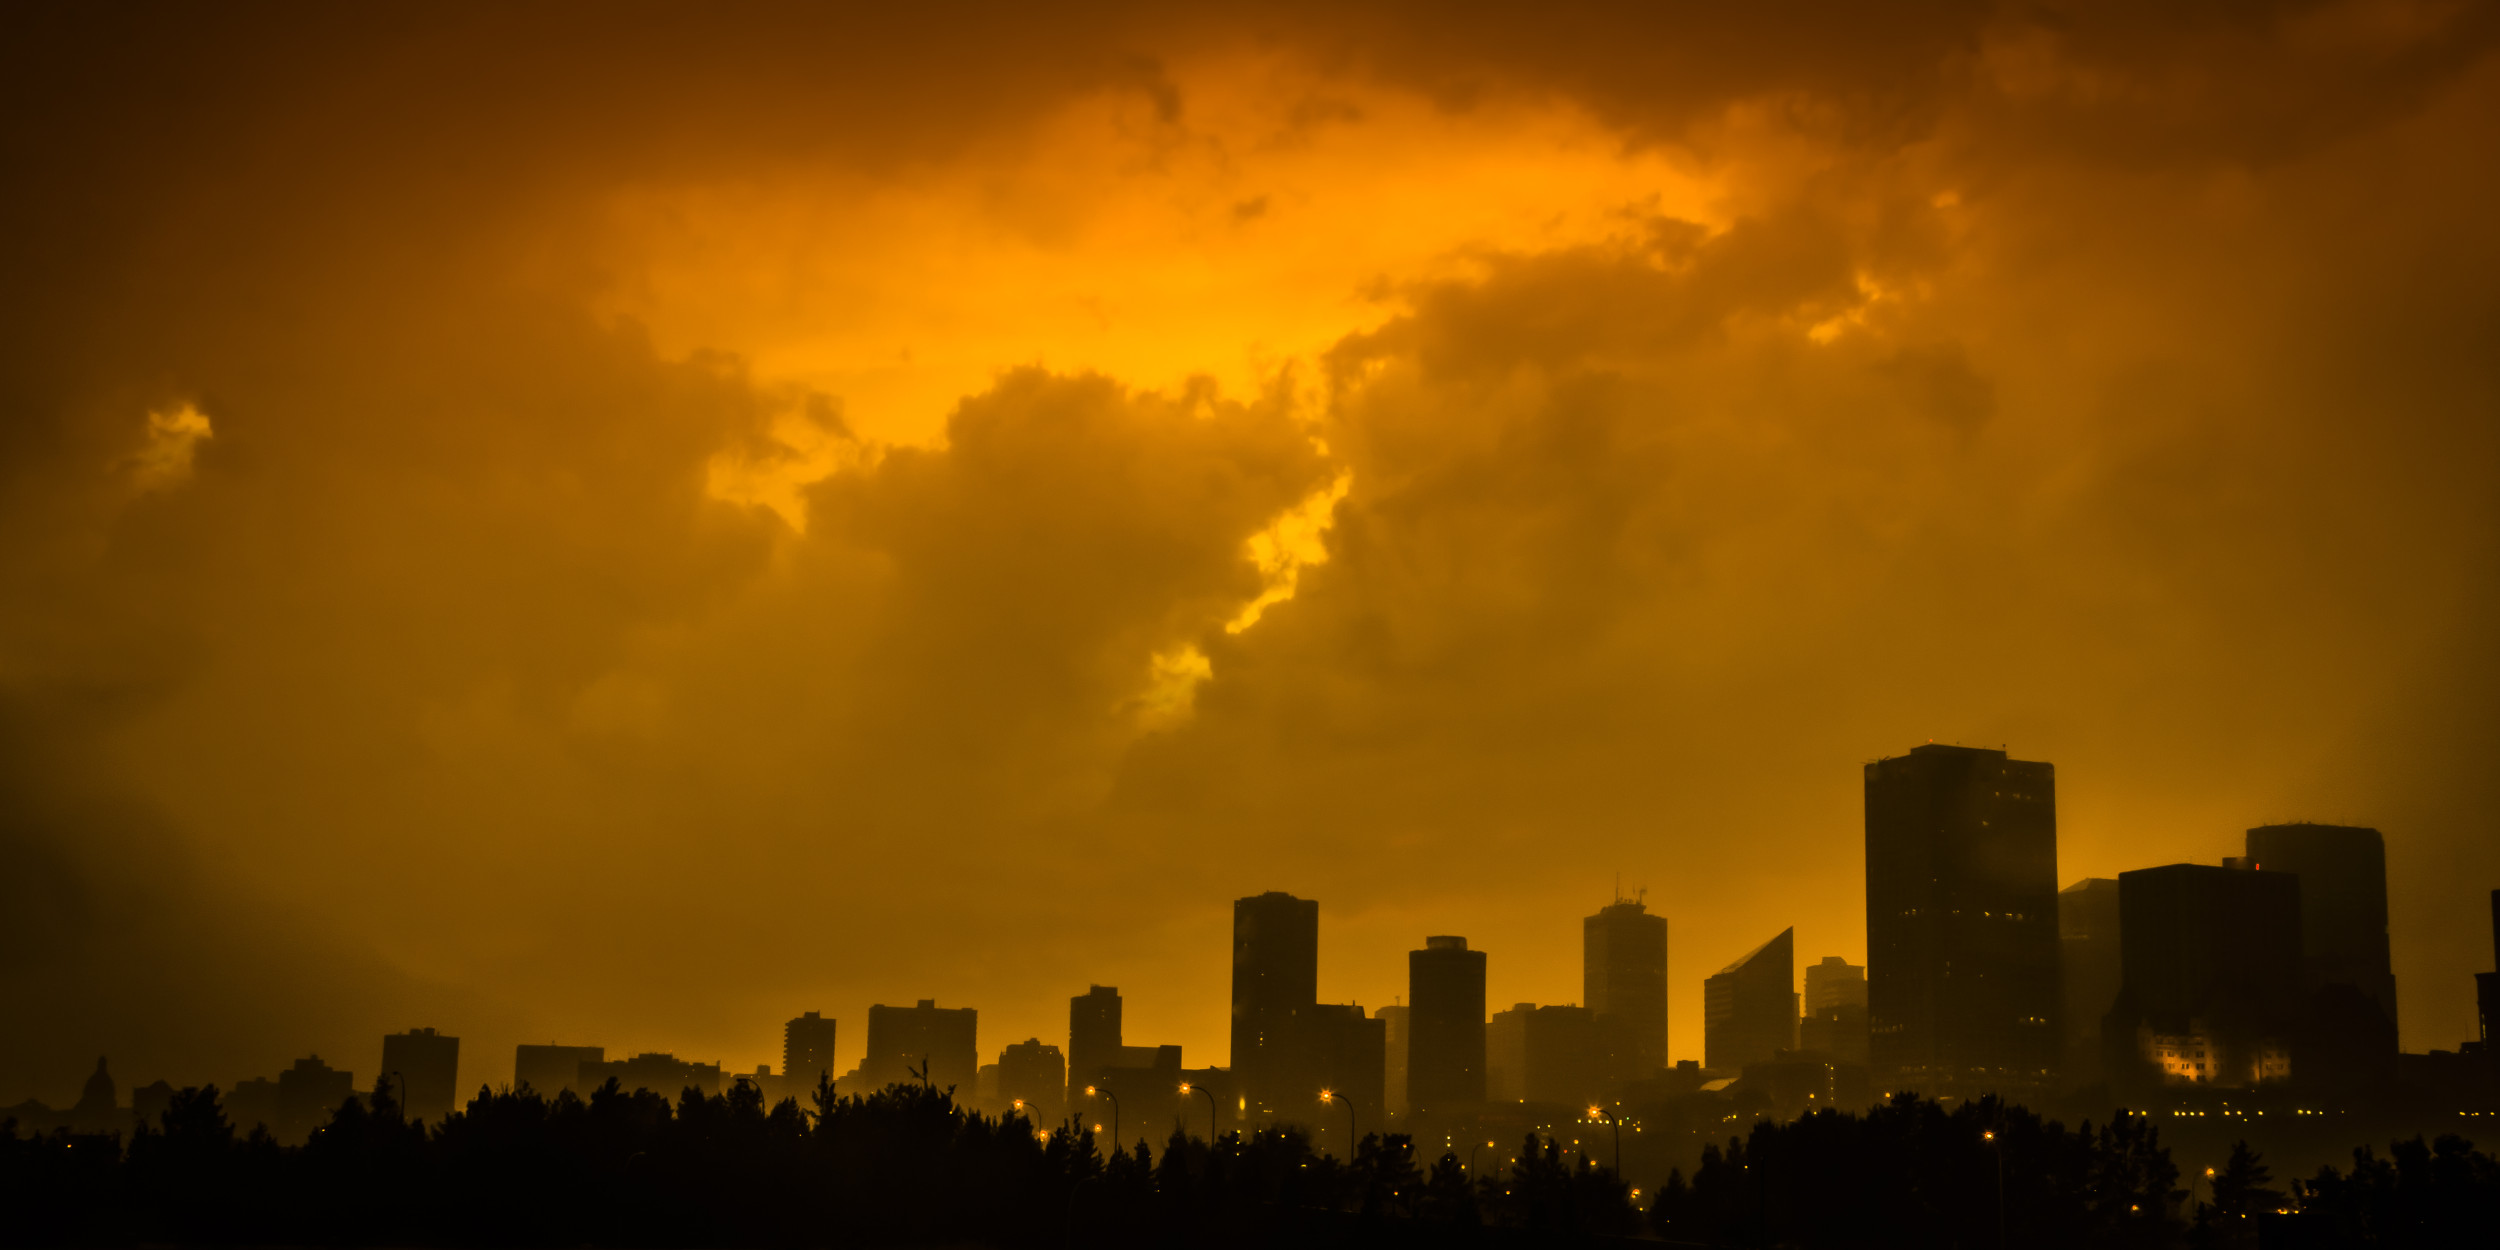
(1471,1159)
(1990,1137)
(1096,1092)
(1599,1113)
(1212,1114)
(1351,1137)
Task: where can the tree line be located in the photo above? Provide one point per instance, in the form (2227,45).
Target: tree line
(907,1165)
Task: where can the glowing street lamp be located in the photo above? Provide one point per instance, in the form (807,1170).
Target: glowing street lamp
(1352,1137)
(1187,1089)
(1097,1092)
(1599,1114)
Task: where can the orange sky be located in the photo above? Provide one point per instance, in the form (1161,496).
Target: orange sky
(622,525)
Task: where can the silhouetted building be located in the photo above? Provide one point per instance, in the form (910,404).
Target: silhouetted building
(1623,974)
(2210,988)
(1033,1072)
(423,1069)
(2487,985)
(905,1040)
(1556,1054)
(1096,1051)
(806,1054)
(1834,1023)
(1148,1092)
(2343,904)
(1349,1057)
(1397,1030)
(1445,1055)
(1506,1054)
(2088,957)
(551,1069)
(302,1099)
(1961,920)
(661,1073)
(1749,1011)
(1275,986)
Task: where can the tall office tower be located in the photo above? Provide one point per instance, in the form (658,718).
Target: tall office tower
(423,1068)
(2210,968)
(1093,1033)
(1032,1073)
(1961,920)
(2487,984)
(2343,903)
(1623,974)
(901,1039)
(1506,1054)
(550,1070)
(1349,1054)
(1445,1057)
(1749,1011)
(806,1054)
(2088,962)
(1275,986)
(1397,1027)
(1835,1016)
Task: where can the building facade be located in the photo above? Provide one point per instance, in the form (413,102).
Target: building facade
(1623,977)
(1445,1047)
(1749,1010)
(1275,989)
(806,1054)
(902,1041)
(1962,968)
(423,1067)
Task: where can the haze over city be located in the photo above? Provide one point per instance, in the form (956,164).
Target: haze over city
(628,525)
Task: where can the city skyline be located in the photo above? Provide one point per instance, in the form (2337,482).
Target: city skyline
(619,526)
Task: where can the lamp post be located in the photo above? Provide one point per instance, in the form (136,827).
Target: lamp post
(1094,1091)
(1599,1114)
(1471,1158)
(1212,1114)
(402,1079)
(1990,1137)
(1353,1139)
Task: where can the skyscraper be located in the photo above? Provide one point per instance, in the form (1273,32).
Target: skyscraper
(1834,1022)
(1032,1072)
(1348,1056)
(2343,903)
(1961,920)
(423,1068)
(2088,959)
(901,1039)
(1397,1026)
(2487,985)
(1093,1033)
(1275,987)
(2211,976)
(806,1054)
(1623,974)
(1445,1047)
(1749,1011)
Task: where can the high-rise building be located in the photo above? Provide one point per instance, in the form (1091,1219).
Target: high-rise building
(1623,974)
(806,1054)
(1275,987)
(1033,1076)
(308,1094)
(1555,1054)
(423,1068)
(1095,1048)
(1749,1010)
(1348,1057)
(1961,920)
(1834,1022)
(1445,1051)
(2210,967)
(2088,961)
(2343,903)
(1397,1029)
(2487,985)
(1506,1054)
(905,1040)
(550,1070)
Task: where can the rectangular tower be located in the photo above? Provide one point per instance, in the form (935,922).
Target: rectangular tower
(2343,903)
(806,1054)
(1834,1022)
(550,1070)
(1275,987)
(1093,1034)
(901,1039)
(2210,966)
(422,1068)
(1445,1042)
(1623,974)
(1749,1010)
(1961,920)
(2088,950)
